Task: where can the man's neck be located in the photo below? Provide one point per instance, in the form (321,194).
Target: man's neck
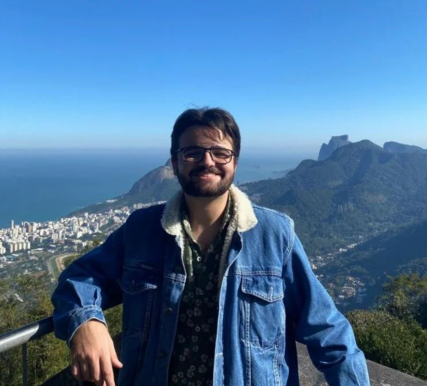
(205,215)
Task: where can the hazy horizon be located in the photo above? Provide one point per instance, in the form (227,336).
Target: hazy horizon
(43,186)
(310,151)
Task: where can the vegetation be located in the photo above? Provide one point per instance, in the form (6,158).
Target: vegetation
(395,334)
(360,191)
(405,297)
(48,350)
(398,251)
(386,339)
(46,356)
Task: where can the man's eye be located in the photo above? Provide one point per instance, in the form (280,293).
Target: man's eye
(220,153)
(193,153)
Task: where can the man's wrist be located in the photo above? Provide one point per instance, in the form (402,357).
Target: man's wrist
(82,316)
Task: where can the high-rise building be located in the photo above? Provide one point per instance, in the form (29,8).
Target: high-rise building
(12,224)
(10,248)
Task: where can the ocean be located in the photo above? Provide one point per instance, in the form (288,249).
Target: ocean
(43,185)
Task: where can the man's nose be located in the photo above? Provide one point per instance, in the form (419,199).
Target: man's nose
(207,159)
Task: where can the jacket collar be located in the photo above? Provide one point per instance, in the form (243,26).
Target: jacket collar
(243,213)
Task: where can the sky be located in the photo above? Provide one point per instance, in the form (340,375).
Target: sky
(116,74)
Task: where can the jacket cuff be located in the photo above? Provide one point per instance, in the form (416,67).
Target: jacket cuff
(353,371)
(82,316)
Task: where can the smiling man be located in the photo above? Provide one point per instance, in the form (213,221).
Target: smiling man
(215,290)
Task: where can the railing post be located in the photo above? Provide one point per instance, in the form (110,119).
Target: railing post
(24,365)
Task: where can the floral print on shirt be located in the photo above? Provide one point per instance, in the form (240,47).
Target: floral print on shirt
(194,349)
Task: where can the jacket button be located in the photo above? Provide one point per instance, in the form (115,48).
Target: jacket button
(168,310)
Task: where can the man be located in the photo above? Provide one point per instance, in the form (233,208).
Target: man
(215,290)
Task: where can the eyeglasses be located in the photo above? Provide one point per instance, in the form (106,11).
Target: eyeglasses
(195,154)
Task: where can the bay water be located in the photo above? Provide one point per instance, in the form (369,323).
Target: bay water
(44,185)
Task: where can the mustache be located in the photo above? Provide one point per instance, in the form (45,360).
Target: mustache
(203,170)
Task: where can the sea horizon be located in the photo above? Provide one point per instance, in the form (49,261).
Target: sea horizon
(38,185)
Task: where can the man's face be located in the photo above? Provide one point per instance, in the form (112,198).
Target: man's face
(205,178)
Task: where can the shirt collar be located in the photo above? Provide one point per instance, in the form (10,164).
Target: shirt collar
(242,216)
(185,221)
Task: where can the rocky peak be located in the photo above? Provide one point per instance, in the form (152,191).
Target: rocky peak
(154,177)
(335,142)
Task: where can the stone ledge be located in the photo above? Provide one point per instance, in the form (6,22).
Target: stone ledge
(379,375)
(309,375)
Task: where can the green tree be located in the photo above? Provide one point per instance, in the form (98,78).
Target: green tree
(47,355)
(386,339)
(406,298)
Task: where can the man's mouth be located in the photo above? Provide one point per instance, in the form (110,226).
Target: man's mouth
(206,173)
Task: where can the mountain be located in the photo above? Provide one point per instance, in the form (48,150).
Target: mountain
(357,193)
(151,179)
(157,185)
(397,251)
(391,252)
(335,142)
(395,147)
(361,212)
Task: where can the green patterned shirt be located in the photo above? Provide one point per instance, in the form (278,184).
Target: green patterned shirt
(193,354)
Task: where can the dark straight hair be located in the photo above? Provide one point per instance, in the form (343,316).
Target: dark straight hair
(215,118)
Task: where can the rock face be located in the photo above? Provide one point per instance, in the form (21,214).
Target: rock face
(153,178)
(395,147)
(378,375)
(327,149)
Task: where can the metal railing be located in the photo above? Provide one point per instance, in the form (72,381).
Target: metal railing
(22,336)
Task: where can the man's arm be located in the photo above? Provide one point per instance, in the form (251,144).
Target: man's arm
(319,325)
(85,288)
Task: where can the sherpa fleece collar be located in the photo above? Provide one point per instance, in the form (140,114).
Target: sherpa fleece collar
(243,213)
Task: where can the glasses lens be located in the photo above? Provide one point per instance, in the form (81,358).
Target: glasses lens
(194,154)
(221,155)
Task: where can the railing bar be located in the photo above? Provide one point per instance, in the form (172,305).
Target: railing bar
(24,365)
(25,334)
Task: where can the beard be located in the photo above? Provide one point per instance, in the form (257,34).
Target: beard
(201,188)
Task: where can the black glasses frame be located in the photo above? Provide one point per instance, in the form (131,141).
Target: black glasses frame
(207,149)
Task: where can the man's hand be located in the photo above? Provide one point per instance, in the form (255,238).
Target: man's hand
(93,354)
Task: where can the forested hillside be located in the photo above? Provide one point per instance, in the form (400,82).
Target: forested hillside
(357,193)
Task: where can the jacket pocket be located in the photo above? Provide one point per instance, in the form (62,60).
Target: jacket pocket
(264,309)
(139,287)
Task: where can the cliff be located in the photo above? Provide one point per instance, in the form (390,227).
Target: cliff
(335,142)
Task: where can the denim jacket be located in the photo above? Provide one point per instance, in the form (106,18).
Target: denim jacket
(269,298)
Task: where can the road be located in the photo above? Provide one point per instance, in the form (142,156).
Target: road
(55,264)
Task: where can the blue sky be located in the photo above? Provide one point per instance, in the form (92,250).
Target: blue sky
(116,74)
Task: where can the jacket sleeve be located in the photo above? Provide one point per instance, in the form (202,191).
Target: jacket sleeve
(320,326)
(87,286)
